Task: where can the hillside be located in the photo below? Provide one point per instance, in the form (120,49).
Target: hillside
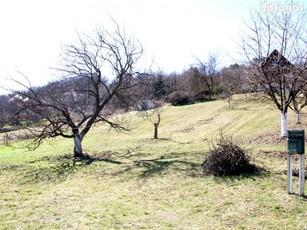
(135,182)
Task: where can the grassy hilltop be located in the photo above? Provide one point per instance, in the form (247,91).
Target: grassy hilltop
(135,182)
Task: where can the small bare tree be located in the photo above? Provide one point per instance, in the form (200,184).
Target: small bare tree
(274,45)
(151,111)
(156,124)
(99,76)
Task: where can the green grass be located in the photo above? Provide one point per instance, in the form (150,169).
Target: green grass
(135,182)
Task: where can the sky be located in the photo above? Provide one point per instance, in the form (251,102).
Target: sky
(174,33)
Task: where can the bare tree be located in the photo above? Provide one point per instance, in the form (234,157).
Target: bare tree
(298,104)
(209,71)
(231,82)
(274,45)
(151,111)
(156,124)
(194,85)
(99,76)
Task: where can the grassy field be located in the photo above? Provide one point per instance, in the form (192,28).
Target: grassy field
(135,182)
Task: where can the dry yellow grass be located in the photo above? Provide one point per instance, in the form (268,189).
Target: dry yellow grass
(135,182)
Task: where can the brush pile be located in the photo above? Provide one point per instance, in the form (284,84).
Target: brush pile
(227,159)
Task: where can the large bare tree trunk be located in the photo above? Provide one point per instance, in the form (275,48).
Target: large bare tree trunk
(78,152)
(284,123)
(298,117)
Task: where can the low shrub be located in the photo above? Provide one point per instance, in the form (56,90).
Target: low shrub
(178,99)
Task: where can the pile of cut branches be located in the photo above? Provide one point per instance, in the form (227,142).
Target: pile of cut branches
(227,159)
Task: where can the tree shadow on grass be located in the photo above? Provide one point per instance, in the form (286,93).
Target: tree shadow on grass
(58,168)
(52,169)
(154,167)
(233,179)
(65,169)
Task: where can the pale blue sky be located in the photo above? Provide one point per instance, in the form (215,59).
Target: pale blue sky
(173,32)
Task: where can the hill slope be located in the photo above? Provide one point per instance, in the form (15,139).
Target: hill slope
(133,181)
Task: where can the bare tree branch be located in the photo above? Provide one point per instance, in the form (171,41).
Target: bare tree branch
(98,73)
